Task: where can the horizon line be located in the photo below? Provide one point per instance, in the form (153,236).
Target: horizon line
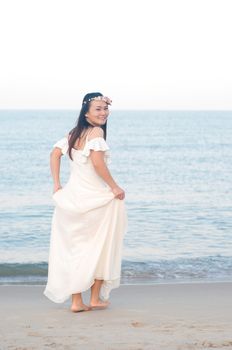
(119,109)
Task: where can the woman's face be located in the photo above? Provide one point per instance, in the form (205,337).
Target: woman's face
(98,113)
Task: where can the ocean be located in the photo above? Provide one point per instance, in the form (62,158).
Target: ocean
(176,170)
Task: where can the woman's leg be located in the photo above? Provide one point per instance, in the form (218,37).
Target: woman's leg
(95,301)
(77,303)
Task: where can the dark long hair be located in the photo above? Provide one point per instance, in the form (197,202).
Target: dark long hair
(82,123)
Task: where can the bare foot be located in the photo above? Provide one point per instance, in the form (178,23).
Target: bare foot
(80,308)
(99,304)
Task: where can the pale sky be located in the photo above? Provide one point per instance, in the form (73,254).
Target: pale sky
(166,54)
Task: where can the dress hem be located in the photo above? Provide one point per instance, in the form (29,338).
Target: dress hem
(113,284)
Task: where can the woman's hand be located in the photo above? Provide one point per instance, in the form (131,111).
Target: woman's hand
(56,188)
(118,192)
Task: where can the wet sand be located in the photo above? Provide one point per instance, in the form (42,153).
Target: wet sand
(163,316)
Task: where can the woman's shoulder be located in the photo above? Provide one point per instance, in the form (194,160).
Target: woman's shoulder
(96,131)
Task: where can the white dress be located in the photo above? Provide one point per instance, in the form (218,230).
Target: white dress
(88,227)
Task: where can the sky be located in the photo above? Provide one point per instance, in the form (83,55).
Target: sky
(157,55)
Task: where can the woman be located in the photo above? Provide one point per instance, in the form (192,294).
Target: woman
(89,219)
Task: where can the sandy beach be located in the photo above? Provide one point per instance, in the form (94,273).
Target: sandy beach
(163,316)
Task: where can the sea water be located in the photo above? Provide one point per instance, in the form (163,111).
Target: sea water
(176,170)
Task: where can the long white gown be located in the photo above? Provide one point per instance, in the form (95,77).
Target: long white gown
(88,227)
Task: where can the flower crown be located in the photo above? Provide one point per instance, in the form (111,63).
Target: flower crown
(99,98)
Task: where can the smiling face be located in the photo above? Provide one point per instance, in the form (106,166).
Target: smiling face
(98,113)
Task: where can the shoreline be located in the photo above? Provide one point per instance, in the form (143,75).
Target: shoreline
(144,283)
(179,316)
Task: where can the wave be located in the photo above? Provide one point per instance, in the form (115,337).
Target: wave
(23,269)
(180,269)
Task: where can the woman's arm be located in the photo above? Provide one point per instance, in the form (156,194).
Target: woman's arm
(97,158)
(55,157)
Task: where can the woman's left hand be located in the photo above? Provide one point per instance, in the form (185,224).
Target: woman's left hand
(56,188)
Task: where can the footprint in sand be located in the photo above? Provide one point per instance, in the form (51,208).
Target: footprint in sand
(34,334)
(137,324)
(51,345)
(208,344)
(227,343)
(205,345)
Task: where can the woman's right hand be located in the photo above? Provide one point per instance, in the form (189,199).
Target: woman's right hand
(118,192)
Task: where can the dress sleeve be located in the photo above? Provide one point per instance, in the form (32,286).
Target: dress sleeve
(97,144)
(62,144)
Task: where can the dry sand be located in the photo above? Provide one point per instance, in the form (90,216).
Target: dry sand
(162,316)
